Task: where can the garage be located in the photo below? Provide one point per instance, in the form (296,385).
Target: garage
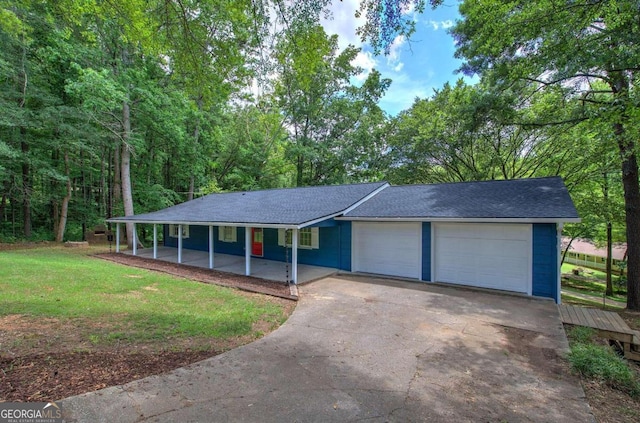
(387,248)
(496,256)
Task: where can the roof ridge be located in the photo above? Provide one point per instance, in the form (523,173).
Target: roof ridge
(475,182)
(292,188)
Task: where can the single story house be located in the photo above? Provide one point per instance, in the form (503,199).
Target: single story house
(584,252)
(501,235)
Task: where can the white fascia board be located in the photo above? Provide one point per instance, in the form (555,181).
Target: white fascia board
(368,197)
(185,222)
(347,210)
(462,220)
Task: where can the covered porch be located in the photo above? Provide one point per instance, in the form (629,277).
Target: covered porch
(260,268)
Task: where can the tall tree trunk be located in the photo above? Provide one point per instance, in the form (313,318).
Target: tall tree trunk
(605,195)
(299,170)
(117,176)
(620,86)
(125,170)
(3,201)
(632,209)
(192,186)
(64,210)
(609,290)
(26,188)
(196,139)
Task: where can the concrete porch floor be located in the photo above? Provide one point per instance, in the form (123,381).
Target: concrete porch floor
(260,268)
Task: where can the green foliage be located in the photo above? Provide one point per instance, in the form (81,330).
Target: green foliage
(465,133)
(602,363)
(322,109)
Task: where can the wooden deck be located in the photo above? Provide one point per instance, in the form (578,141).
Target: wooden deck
(608,324)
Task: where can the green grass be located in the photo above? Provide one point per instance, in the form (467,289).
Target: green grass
(600,362)
(567,298)
(592,282)
(597,274)
(123,303)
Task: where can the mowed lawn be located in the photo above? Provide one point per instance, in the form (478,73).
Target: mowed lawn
(106,302)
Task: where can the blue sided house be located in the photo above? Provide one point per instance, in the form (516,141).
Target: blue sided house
(502,235)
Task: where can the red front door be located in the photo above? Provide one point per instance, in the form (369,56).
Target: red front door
(256,242)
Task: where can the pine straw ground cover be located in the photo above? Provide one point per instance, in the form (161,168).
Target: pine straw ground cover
(72,323)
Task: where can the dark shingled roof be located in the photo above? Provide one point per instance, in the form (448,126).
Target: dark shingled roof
(289,206)
(535,198)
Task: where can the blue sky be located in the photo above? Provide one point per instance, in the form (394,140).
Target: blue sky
(416,66)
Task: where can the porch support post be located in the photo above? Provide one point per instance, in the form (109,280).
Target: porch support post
(135,241)
(247,250)
(294,256)
(155,241)
(210,247)
(559,253)
(179,244)
(118,237)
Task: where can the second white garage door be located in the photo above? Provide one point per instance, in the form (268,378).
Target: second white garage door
(496,256)
(388,248)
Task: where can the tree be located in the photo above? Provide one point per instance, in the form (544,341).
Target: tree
(571,46)
(466,133)
(386,20)
(321,106)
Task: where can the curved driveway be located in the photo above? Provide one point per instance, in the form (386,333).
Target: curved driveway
(376,350)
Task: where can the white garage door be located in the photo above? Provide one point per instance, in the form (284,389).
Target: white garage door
(496,256)
(388,248)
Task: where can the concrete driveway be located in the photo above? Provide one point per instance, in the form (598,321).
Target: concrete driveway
(371,349)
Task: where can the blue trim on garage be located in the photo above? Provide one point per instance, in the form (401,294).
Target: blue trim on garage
(545,261)
(426,251)
(345,245)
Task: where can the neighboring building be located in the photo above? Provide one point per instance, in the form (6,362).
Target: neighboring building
(584,252)
(493,234)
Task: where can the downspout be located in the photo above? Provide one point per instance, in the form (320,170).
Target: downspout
(559,227)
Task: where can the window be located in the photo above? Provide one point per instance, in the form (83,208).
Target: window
(304,239)
(173,231)
(308,238)
(228,234)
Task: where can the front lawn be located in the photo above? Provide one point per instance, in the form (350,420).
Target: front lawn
(123,302)
(58,302)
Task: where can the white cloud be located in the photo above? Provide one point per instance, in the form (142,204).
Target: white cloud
(398,67)
(446,24)
(344,22)
(403,92)
(394,49)
(367,62)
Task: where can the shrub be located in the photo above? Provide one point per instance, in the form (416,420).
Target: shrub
(581,334)
(602,363)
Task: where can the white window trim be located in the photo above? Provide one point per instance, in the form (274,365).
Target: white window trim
(315,239)
(221,234)
(173,231)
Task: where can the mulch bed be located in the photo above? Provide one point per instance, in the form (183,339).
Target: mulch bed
(245,283)
(57,375)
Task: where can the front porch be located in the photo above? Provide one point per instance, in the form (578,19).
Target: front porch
(260,268)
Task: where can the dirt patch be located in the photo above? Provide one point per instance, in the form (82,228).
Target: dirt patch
(245,283)
(610,405)
(54,376)
(522,342)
